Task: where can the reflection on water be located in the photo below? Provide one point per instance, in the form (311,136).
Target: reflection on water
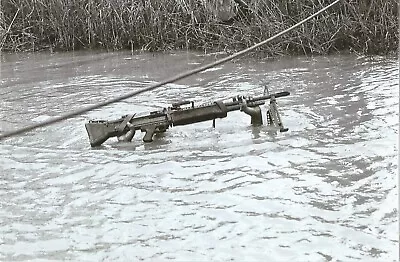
(325,190)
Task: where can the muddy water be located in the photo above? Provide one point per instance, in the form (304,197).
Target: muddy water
(325,190)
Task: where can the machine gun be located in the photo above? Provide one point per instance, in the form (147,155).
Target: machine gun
(125,127)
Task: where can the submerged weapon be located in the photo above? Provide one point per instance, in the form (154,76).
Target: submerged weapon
(166,81)
(155,122)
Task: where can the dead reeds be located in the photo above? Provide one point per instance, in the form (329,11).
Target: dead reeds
(364,26)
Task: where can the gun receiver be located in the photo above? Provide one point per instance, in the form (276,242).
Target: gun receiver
(155,122)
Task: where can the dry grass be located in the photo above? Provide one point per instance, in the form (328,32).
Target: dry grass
(364,26)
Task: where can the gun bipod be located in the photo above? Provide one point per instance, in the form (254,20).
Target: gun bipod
(273,117)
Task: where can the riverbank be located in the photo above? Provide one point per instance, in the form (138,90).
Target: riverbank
(365,27)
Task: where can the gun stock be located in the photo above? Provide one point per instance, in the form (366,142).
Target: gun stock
(100,131)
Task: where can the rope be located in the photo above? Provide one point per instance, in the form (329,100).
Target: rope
(167,81)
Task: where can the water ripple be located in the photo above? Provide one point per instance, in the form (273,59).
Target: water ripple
(325,190)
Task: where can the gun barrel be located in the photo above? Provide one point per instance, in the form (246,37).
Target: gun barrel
(259,98)
(198,114)
(234,107)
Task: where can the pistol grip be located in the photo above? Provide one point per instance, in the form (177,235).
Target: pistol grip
(150,130)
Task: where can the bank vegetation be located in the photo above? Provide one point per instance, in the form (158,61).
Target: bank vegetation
(362,26)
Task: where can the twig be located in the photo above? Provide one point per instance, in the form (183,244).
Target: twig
(3,37)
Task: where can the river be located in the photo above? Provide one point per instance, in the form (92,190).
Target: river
(326,190)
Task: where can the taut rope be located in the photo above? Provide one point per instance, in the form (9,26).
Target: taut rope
(167,81)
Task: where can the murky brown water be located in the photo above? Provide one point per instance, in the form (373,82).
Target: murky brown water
(325,190)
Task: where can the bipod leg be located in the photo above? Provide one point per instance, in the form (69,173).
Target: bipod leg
(273,116)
